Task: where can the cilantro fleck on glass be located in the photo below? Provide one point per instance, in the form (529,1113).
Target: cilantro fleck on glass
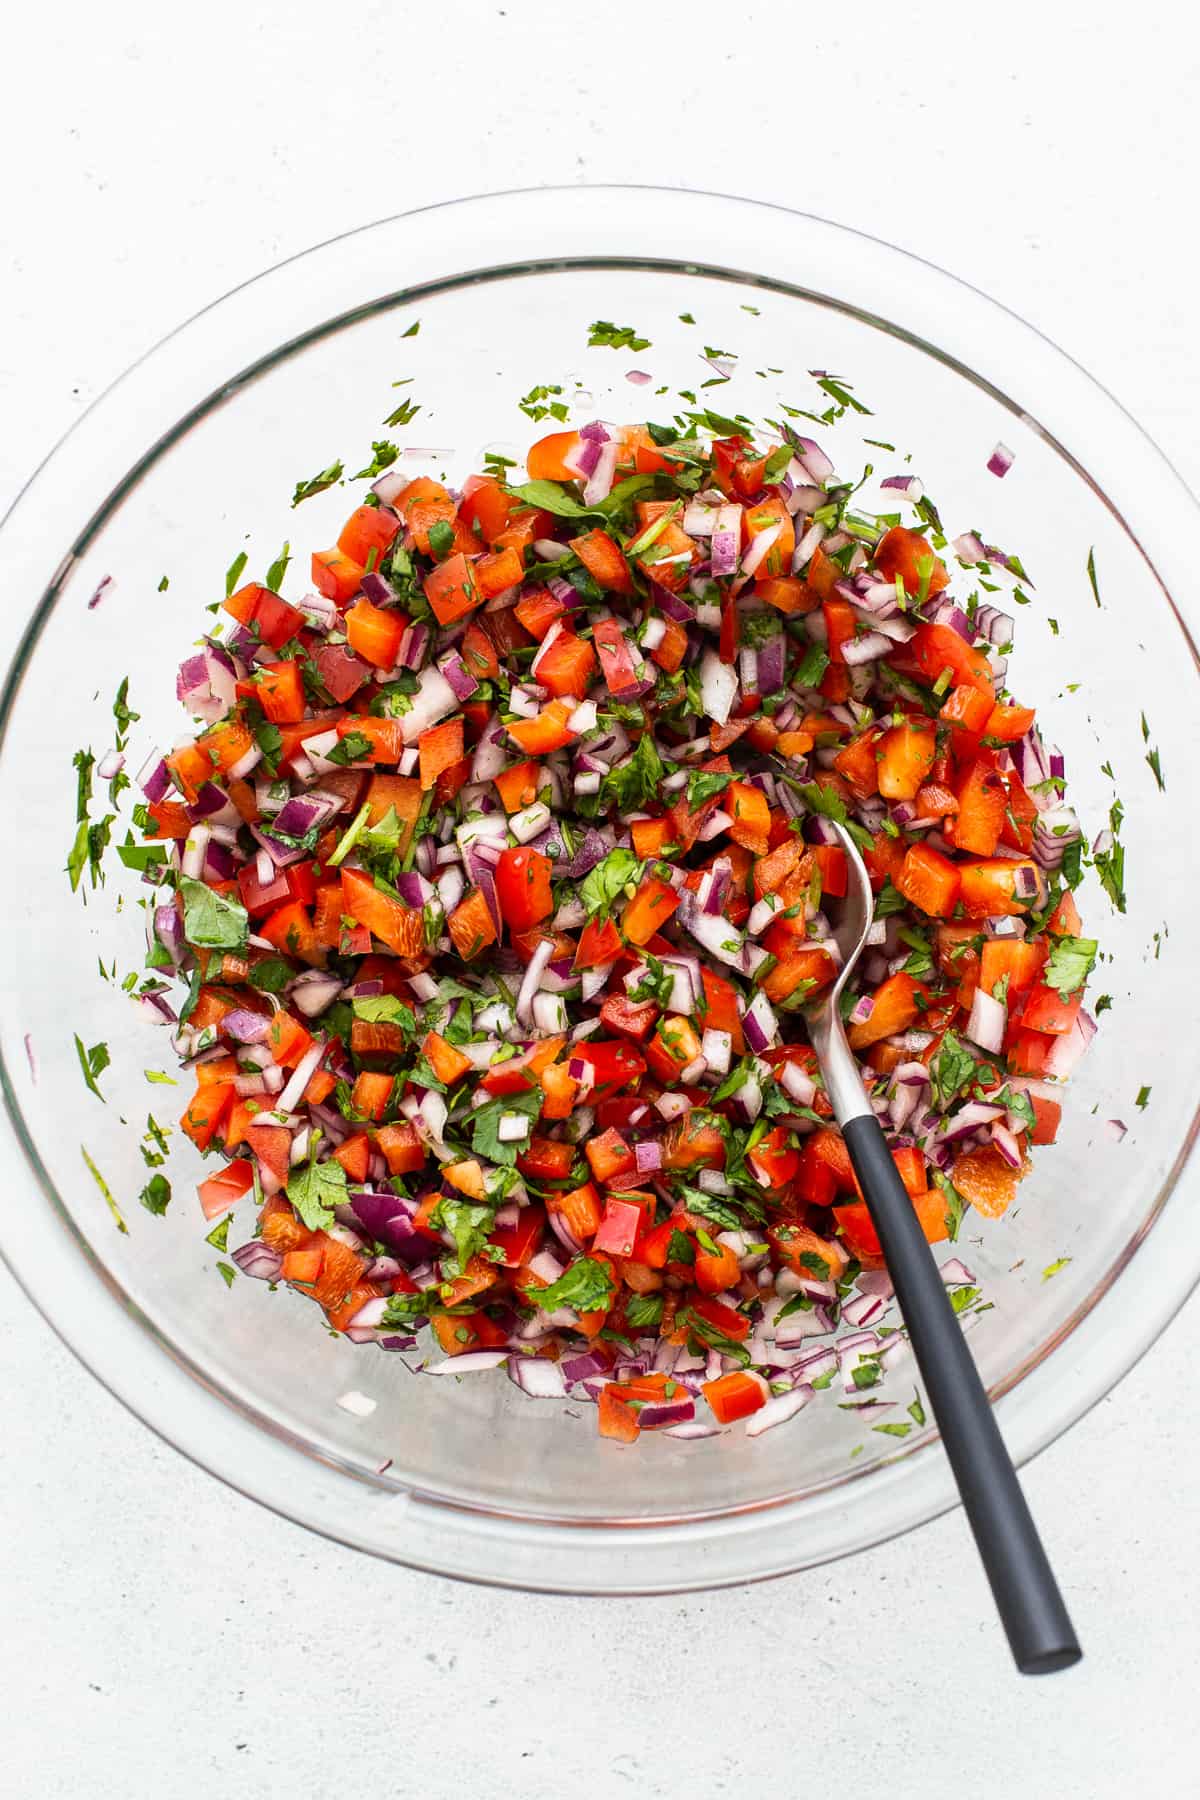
(295,374)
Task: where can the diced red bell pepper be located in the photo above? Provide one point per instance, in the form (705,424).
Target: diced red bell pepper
(736,1396)
(523,887)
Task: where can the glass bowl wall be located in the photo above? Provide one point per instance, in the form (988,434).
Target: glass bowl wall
(192,459)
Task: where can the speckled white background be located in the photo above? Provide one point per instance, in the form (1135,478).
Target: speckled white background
(164,1637)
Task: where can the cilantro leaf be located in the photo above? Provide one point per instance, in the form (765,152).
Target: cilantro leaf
(315,1189)
(812,666)
(218,1237)
(441,539)
(950,1070)
(956,1206)
(586,1286)
(318,483)
(469,1225)
(354,747)
(385,1009)
(212,921)
(278,568)
(607,881)
(1055,1268)
(699,1328)
(643,1310)
(552,497)
(156,1195)
(680,1248)
(1069,964)
(485,1121)
(271,975)
(704,785)
(830,805)
(233,573)
(629,786)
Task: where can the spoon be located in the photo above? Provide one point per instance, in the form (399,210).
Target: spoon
(1040,1633)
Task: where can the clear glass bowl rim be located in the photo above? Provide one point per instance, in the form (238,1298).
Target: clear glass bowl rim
(173,384)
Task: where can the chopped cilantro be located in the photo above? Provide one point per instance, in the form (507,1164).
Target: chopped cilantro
(469,1225)
(105,1190)
(485,1121)
(1069,964)
(316,1188)
(212,921)
(218,1237)
(950,1071)
(585,1286)
(607,881)
(316,484)
(405,413)
(233,573)
(704,784)
(1143,1099)
(93,1063)
(383,455)
(1091,573)
(156,1196)
(812,666)
(604,335)
(227,1272)
(1054,1268)
(278,568)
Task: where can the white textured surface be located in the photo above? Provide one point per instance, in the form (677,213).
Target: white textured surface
(165,1637)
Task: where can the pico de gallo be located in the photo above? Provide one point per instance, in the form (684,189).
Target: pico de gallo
(500,870)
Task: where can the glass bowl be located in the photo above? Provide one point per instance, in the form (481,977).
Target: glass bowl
(191,459)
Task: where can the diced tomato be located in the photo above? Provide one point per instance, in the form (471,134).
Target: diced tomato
(1047,1010)
(609,1156)
(773,1160)
(967,708)
(227,1186)
(611,1065)
(519,1241)
(628,1018)
(982,801)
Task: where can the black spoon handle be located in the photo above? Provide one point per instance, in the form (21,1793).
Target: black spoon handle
(1031,1608)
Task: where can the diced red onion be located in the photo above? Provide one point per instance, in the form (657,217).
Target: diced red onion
(988,1021)
(1000,461)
